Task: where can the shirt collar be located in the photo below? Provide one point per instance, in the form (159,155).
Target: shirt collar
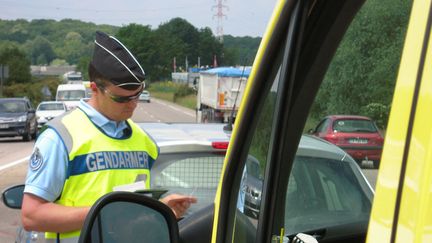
(107,125)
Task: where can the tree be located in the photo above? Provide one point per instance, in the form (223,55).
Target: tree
(362,75)
(40,50)
(243,48)
(208,47)
(74,48)
(16,59)
(141,42)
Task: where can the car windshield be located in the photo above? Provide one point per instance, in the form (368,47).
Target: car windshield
(324,192)
(51,107)
(70,95)
(354,125)
(12,107)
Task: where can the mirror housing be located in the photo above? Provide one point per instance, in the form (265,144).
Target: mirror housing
(129,217)
(13,196)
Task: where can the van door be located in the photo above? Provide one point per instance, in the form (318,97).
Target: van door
(402,205)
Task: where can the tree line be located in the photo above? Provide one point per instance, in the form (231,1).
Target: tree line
(50,42)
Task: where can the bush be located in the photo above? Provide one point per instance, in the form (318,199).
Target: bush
(164,87)
(378,112)
(33,89)
(182,91)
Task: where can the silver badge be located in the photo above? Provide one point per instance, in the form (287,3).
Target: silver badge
(36,160)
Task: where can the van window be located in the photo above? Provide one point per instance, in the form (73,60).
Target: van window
(65,95)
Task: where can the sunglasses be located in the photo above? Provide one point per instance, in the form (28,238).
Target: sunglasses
(122,99)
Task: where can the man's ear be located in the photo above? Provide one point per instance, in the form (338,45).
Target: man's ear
(93,86)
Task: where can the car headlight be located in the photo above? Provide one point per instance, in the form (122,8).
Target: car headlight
(41,119)
(22,118)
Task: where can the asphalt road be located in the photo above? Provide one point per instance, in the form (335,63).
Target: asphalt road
(14,154)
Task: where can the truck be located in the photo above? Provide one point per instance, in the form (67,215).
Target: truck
(220,91)
(72,77)
(71,94)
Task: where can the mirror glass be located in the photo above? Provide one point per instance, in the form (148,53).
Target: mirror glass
(129,222)
(12,197)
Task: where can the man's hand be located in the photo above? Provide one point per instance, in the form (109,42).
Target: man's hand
(178,203)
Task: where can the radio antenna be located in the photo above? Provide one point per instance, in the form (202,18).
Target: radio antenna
(229,126)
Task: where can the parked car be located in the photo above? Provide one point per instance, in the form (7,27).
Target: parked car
(358,135)
(47,110)
(145,96)
(17,118)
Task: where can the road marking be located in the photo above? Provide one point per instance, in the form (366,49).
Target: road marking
(14,163)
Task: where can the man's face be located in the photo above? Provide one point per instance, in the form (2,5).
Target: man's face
(116,103)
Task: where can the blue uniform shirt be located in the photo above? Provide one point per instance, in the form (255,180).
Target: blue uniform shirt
(49,160)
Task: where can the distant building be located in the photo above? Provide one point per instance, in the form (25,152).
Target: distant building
(51,70)
(190,78)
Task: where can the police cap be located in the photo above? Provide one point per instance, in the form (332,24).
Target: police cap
(115,62)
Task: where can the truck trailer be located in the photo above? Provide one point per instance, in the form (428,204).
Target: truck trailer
(219,93)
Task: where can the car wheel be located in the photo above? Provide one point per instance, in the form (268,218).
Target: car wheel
(376,164)
(34,134)
(27,136)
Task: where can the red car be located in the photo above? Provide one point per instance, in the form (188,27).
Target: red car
(357,135)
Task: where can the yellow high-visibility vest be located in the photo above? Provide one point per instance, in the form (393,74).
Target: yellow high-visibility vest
(98,162)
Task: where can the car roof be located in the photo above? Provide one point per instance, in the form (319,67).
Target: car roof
(188,137)
(51,102)
(313,146)
(336,117)
(15,99)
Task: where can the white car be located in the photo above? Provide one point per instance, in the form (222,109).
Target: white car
(47,110)
(145,96)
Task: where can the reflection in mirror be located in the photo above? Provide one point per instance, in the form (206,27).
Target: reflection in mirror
(129,222)
(13,196)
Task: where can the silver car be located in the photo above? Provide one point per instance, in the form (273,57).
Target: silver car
(145,96)
(190,160)
(326,188)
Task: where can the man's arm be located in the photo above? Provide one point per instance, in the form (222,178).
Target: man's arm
(40,215)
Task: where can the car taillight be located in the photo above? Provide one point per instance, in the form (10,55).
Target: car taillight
(331,139)
(220,145)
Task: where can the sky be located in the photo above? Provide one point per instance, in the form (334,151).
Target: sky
(240,17)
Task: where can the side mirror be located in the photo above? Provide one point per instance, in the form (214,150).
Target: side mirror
(129,217)
(13,196)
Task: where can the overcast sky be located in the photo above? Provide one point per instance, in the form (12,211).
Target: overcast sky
(243,17)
